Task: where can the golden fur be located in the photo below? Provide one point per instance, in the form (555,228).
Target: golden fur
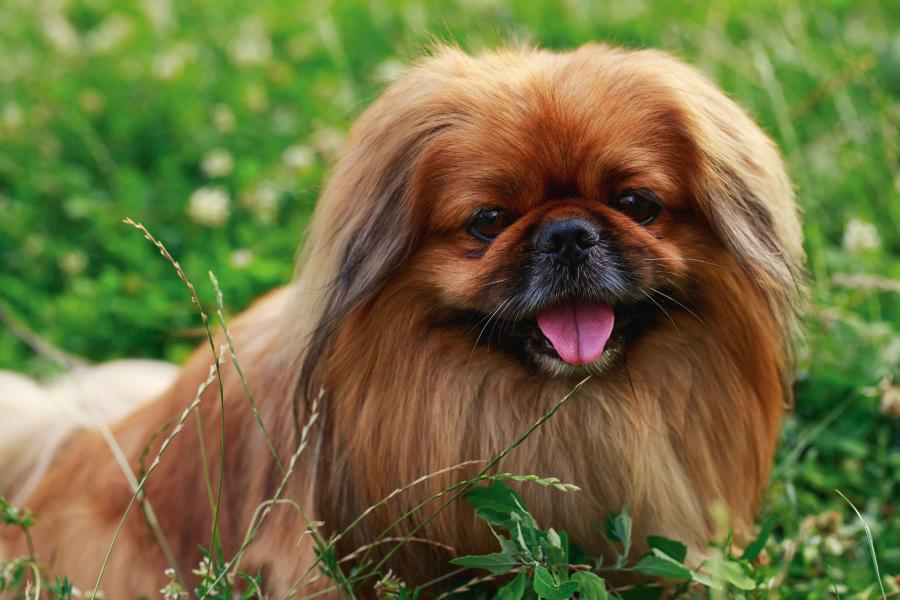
(684,418)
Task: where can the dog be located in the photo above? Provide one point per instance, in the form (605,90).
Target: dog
(497,228)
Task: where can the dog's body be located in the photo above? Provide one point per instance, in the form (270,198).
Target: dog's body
(684,405)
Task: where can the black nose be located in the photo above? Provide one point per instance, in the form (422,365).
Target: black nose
(568,241)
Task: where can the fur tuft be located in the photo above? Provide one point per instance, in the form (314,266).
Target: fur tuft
(39,419)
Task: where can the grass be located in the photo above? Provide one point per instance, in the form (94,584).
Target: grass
(214,124)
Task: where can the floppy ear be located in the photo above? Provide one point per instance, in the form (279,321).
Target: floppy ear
(366,224)
(746,195)
(742,188)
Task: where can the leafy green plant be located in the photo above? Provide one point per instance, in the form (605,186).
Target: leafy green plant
(544,558)
(25,573)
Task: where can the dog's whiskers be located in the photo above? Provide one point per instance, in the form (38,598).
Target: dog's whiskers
(489,318)
(695,315)
(664,311)
(496,281)
(673,259)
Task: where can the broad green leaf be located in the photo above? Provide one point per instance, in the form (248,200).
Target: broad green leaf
(530,542)
(660,565)
(497,563)
(590,586)
(559,547)
(514,590)
(546,587)
(670,548)
(496,497)
(508,546)
(755,547)
(553,538)
(618,529)
(731,572)
(500,506)
(705,580)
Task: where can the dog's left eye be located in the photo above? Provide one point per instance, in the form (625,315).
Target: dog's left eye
(487,223)
(642,207)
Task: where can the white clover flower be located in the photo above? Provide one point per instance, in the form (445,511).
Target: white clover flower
(298,157)
(203,568)
(860,236)
(240,258)
(173,591)
(13,117)
(209,206)
(73,262)
(109,34)
(833,545)
(160,14)
(60,33)
(328,141)
(169,63)
(217,163)
(263,201)
(251,45)
(223,118)
(389,71)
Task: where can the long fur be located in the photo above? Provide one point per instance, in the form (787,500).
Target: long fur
(686,423)
(39,419)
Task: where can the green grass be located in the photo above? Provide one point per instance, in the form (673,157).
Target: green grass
(110,109)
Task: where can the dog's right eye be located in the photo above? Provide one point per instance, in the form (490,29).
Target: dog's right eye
(487,223)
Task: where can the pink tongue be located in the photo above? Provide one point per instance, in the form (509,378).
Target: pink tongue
(578,330)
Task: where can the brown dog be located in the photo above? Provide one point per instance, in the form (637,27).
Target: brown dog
(497,228)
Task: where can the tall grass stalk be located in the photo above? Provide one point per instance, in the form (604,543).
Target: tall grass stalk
(310,526)
(214,541)
(179,425)
(871,542)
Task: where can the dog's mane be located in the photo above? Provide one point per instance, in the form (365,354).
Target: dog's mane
(366,225)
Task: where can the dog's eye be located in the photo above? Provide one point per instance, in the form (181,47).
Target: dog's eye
(487,223)
(640,206)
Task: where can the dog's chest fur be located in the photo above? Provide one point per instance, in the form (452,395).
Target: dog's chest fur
(653,435)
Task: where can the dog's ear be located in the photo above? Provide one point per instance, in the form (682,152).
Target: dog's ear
(366,222)
(744,192)
(740,185)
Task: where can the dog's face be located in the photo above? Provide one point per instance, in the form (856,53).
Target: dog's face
(562,228)
(559,206)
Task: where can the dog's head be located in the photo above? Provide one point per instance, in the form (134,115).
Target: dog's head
(557,205)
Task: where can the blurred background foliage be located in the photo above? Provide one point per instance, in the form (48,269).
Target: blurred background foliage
(214,122)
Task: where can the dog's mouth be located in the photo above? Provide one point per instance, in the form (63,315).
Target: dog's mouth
(569,336)
(563,337)
(576,331)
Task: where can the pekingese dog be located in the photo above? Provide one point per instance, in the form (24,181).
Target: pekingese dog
(497,228)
